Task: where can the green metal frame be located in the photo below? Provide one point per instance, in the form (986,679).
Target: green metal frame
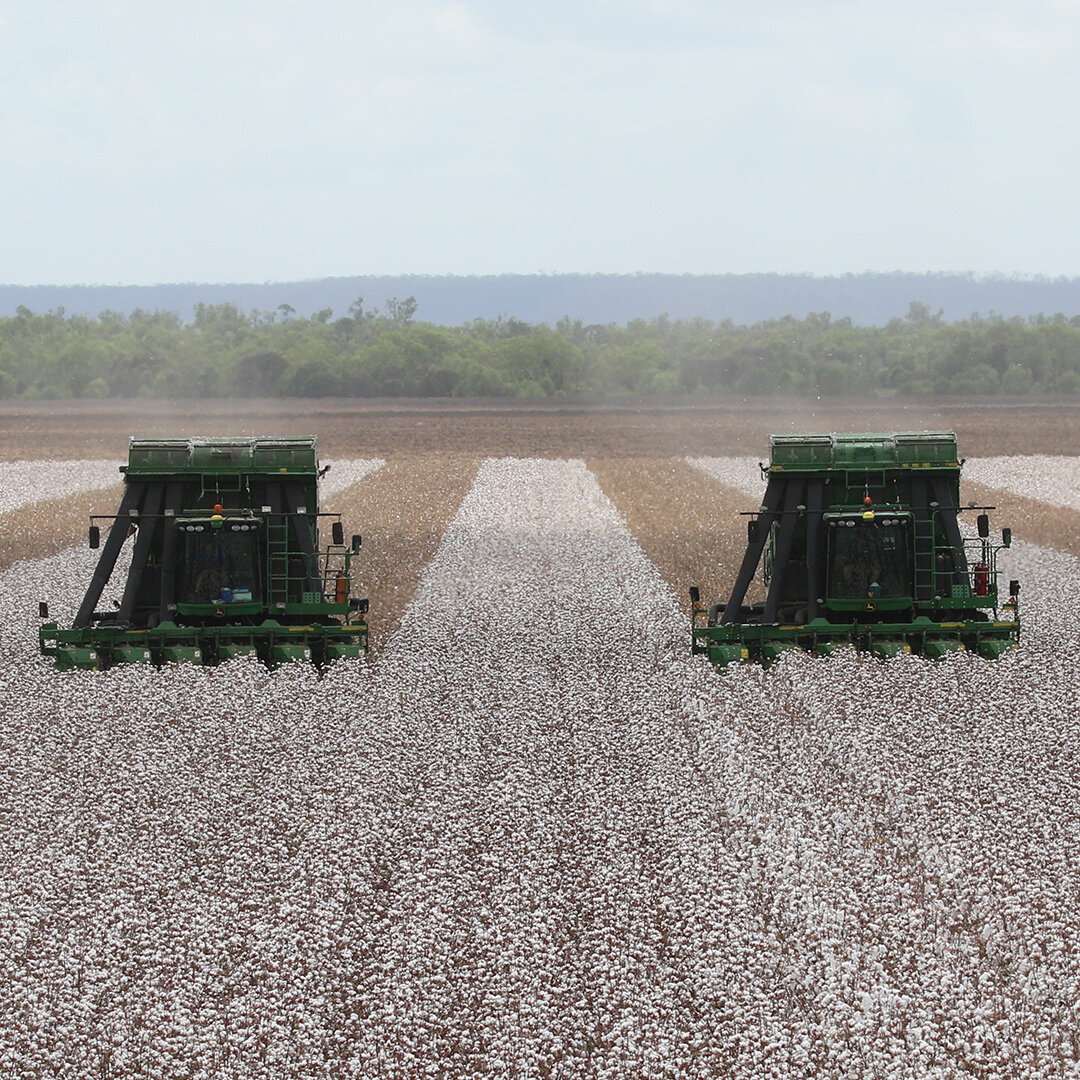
(817,484)
(203,485)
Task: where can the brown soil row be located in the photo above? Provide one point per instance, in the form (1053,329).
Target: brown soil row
(382,427)
(47,528)
(1037,522)
(402,512)
(685,521)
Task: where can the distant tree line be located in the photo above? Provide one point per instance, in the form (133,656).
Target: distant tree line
(390,353)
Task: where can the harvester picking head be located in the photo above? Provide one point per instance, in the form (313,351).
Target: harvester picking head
(862,545)
(225,562)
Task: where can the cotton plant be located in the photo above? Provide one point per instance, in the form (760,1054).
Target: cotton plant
(538,838)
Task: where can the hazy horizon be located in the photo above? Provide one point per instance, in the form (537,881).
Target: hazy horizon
(235,142)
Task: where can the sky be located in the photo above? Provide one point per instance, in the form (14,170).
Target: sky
(271,140)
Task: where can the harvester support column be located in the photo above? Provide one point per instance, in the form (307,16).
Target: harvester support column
(785,537)
(770,507)
(149,519)
(133,494)
(174,494)
(947,510)
(814,508)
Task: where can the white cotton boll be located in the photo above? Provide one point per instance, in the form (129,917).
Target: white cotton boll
(533,822)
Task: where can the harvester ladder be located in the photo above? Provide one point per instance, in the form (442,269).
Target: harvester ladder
(923,540)
(288,514)
(277,548)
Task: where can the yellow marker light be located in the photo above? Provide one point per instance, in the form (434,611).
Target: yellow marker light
(868,515)
(216,521)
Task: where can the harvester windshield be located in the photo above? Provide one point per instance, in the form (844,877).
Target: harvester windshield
(868,559)
(219,566)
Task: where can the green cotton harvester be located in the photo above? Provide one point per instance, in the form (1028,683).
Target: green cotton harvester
(861,545)
(225,562)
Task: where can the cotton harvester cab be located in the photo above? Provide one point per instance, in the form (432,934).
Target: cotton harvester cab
(225,562)
(862,546)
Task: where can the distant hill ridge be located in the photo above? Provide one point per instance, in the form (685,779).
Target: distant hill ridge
(868,299)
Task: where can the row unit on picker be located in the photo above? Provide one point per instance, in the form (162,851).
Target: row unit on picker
(862,546)
(225,562)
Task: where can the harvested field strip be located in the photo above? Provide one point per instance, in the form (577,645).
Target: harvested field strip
(52,525)
(687,521)
(1031,520)
(401,510)
(45,506)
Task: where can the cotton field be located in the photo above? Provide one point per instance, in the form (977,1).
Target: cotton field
(28,482)
(534,837)
(343,474)
(1050,477)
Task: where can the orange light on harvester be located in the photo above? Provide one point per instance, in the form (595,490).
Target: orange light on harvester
(217,508)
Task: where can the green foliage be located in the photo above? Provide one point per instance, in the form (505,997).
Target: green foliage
(369,353)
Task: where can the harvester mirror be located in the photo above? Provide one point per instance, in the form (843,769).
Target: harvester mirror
(338,533)
(695,595)
(1014,587)
(360,605)
(752,531)
(356,542)
(43,609)
(983,522)
(1006,537)
(95,536)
